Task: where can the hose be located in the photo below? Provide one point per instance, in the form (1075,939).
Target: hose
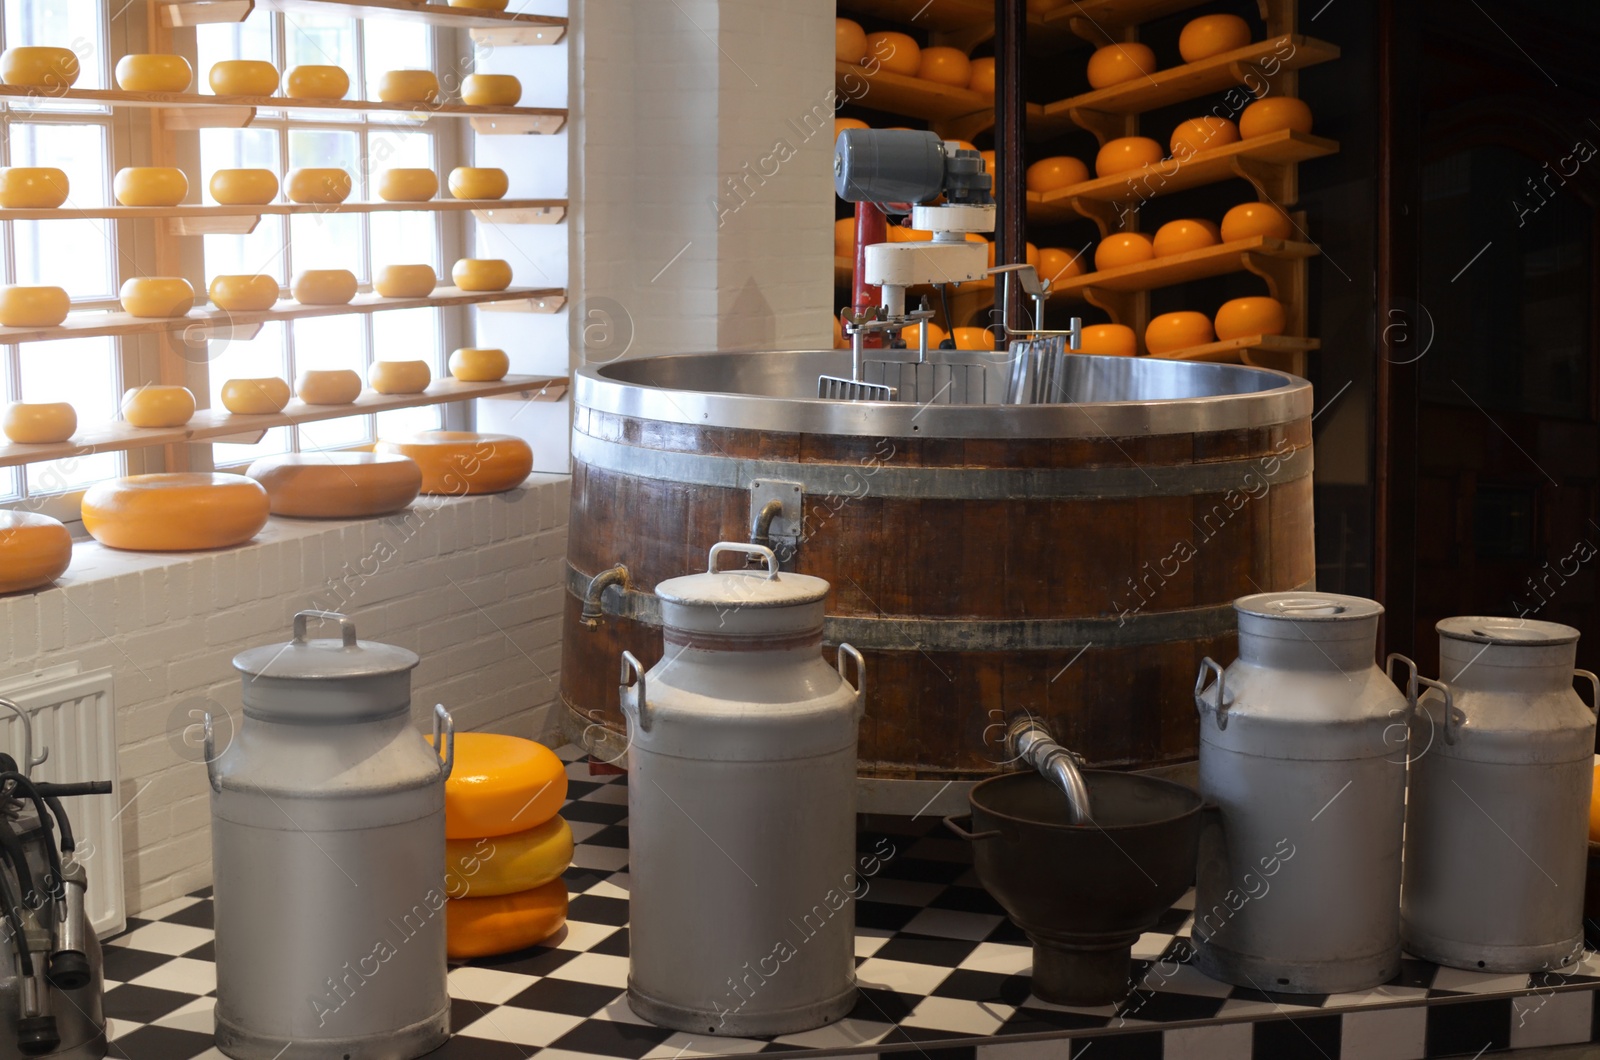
(11,849)
(10,909)
(24,785)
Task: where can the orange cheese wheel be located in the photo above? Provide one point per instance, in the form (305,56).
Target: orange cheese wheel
(316,82)
(1259,315)
(897,53)
(33,307)
(506,864)
(1250,219)
(255,397)
(1211,35)
(1108,340)
(1272,114)
(491,90)
(477,364)
(1126,153)
(35,550)
(181,511)
(849,41)
(337,386)
(320,185)
(945,66)
(1178,331)
(1180,237)
(323,286)
(157,406)
(481,274)
(1056,264)
(39,424)
(481,927)
(844,237)
(973,338)
(408,86)
(1594,808)
(154,73)
(33,187)
(500,785)
(1201,134)
(157,296)
(456,463)
(478,182)
(244,187)
(405,281)
(399,377)
(982,77)
(1115,63)
(936,334)
(243,77)
(841,124)
(150,186)
(1121,249)
(245,294)
(52,68)
(1059,171)
(337,485)
(407,185)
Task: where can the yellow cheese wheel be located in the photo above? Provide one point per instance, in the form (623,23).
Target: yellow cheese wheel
(478,182)
(405,281)
(255,397)
(399,377)
(973,338)
(1260,315)
(945,66)
(244,294)
(1124,61)
(40,424)
(150,186)
(408,86)
(52,68)
(1056,264)
(243,77)
(908,335)
(33,307)
(323,286)
(1178,331)
(337,485)
(407,185)
(505,864)
(157,296)
(981,79)
(500,784)
(1201,134)
(338,386)
(476,364)
(1183,236)
(1058,171)
(154,73)
(1126,153)
(1250,219)
(158,406)
(32,187)
(481,5)
(318,185)
(455,463)
(35,550)
(491,90)
(244,187)
(481,274)
(316,82)
(898,53)
(849,41)
(1120,249)
(180,511)
(1108,340)
(481,927)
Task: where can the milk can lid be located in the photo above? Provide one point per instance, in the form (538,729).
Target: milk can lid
(742,588)
(1308,606)
(324,659)
(1488,629)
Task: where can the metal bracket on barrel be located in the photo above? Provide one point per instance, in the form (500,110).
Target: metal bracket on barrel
(1200,690)
(776,514)
(631,692)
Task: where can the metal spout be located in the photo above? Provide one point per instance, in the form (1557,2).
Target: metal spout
(592,611)
(1028,740)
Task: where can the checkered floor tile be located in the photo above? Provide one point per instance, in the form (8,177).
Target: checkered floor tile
(943,975)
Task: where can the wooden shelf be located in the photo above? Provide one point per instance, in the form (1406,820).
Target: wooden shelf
(962,23)
(967,112)
(214,424)
(239,111)
(1103,21)
(1218,260)
(204,324)
(178,13)
(1102,111)
(1265,161)
(212,218)
(1283,352)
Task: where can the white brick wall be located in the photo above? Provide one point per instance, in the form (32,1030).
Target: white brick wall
(473,585)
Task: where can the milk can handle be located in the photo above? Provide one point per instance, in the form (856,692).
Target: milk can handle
(442,720)
(746,549)
(847,651)
(1208,663)
(634,707)
(1411,680)
(1594,685)
(1453,718)
(210,752)
(347,628)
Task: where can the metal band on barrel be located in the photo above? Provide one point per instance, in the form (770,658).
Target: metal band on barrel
(911,633)
(945,483)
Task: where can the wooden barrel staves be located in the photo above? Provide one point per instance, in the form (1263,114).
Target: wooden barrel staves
(1075,561)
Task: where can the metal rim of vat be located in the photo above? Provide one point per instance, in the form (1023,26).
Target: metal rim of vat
(1210,397)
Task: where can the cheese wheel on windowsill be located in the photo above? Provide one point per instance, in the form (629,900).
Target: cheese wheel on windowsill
(336,386)
(399,377)
(481,927)
(40,67)
(158,406)
(500,785)
(505,864)
(337,485)
(35,550)
(323,286)
(175,511)
(478,364)
(33,307)
(481,274)
(255,397)
(491,90)
(458,463)
(40,424)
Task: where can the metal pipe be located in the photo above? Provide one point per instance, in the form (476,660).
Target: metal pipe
(592,610)
(762,535)
(1032,743)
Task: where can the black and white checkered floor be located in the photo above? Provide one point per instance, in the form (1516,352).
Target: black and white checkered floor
(942,974)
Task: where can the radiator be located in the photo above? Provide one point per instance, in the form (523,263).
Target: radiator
(74,719)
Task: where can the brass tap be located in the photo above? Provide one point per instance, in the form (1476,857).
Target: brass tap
(592,610)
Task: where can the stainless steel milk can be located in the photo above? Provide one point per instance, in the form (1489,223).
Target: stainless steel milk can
(327,830)
(741,807)
(1302,752)
(1497,818)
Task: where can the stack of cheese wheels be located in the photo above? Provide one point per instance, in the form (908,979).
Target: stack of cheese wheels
(506,845)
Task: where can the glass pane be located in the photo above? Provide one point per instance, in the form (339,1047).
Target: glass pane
(321,40)
(409,421)
(74,25)
(250,39)
(58,252)
(263,355)
(227,454)
(394,45)
(407,239)
(408,335)
(326,241)
(259,252)
(330,342)
(335,434)
(82,372)
(238,149)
